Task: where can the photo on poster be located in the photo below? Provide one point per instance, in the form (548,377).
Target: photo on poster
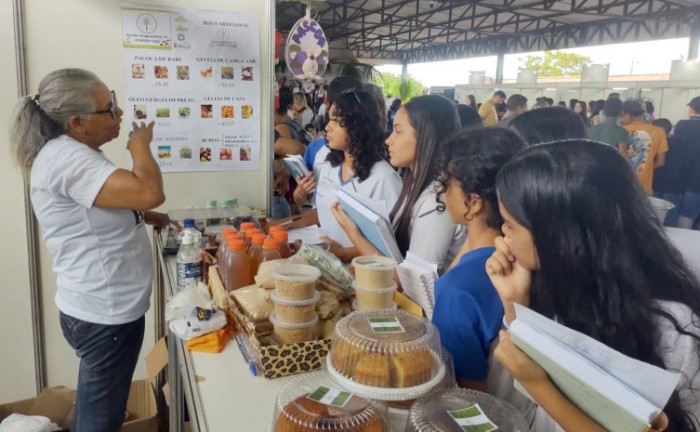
(205,154)
(185,152)
(163,112)
(227,72)
(161,72)
(184,112)
(164,152)
(183,72)
(207,111)
(140,112)
(226,154)
(245,154)
(247,73)
(207,73)
(247,111)
(226,111)
(138,71)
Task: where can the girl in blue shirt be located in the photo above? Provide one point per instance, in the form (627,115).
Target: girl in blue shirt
(468,310)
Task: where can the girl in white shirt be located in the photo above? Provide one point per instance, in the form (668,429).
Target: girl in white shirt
(356,162)
(583,246)
(421,225)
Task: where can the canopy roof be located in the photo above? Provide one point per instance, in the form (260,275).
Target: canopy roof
(428,30)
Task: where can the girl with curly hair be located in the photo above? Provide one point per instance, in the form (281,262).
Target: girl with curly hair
(415,145)
(468,310)
(583,246)
(356,163)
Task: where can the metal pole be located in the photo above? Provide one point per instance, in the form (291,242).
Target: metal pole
(30,220)
(694,43)
(500,62)
(404,70)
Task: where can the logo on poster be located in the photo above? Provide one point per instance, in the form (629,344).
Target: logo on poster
(146,23)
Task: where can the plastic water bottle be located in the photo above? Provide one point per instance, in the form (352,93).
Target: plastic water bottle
(190,227)
(189,262)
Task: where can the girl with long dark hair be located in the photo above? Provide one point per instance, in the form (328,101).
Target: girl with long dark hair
(468,310)
(356,163)
(421,127)
(582,245)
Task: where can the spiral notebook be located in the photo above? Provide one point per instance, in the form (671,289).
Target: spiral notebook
(374,227)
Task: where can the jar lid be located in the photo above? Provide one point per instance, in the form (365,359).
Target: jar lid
(313,402)
(446,410)
(296,273)
(291,326)
(313,300)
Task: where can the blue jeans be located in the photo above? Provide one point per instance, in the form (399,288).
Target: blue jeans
(108,356)
(671,219)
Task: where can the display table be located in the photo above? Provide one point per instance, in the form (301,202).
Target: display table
(221,393)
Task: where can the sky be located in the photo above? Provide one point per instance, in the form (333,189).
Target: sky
(638,58)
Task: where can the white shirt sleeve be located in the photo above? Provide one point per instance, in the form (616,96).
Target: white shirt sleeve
(434,237)
(385,184)
(79,172)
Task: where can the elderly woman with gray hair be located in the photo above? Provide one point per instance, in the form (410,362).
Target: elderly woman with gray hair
(92,217)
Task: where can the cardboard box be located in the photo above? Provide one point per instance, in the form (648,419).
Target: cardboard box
(57,403)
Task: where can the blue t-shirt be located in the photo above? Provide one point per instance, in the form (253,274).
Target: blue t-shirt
(468,314)
(311,150)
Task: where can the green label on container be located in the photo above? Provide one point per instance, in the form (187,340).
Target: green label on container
(330,396)
(385,325)
(472,419)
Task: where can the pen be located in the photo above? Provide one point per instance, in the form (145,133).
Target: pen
(246,356)
(294,219)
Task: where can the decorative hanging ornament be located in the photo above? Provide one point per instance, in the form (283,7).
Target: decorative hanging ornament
(306,51)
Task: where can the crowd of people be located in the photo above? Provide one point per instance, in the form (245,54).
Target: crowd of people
(535,207)
(546,207)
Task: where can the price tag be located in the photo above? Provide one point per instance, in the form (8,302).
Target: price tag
(330,396)
(385,325)
(472,419)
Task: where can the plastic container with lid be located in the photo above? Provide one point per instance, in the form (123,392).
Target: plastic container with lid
(314,403)
(296,281)
(373,271)
(283,238)
(223,245)
(437,413)
(393,306)
(386,355)
(237,269)
(374,298)
(211,205)
(214,232)
(291,333)
(295,312)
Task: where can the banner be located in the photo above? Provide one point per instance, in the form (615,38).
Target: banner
(196,73)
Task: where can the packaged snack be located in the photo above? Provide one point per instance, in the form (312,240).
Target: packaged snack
(332,269)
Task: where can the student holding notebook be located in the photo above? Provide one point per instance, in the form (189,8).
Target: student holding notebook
(582,246)
(356,163)
(468,311)
(420,226)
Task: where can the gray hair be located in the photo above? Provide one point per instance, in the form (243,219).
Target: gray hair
(378,95)
(44,116)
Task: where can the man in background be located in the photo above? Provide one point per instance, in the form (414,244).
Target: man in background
(517,104)
(487,110)
(689,132)
(647,146)
(608,131)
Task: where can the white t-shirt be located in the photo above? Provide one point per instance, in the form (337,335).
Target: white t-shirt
(102,257)
(383,184)
(434,237)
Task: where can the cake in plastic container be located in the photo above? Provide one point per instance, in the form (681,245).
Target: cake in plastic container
(447,410)
(313,402)
(386,355)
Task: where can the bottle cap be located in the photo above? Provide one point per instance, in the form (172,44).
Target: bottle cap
(277,228)
(258,239)
(271,243)
(250,232)
(236,244)
(246,225)
(232,236)
(229,202)
(227,231)
(211,203)
(282,236)
(189,223)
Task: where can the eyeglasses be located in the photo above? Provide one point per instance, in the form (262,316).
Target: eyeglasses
(112,110)
(352,91)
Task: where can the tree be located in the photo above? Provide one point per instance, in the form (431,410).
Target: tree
(394,87)
(557,63)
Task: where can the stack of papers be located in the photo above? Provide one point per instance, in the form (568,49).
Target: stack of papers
(295,165)
(418,278)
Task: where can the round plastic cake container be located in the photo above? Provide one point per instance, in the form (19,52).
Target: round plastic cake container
(374,271)
(439,412)
(313,402)
(296,281)
(386,355)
